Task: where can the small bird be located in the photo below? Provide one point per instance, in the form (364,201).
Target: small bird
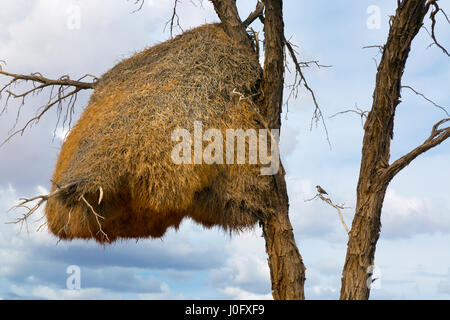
(320,190)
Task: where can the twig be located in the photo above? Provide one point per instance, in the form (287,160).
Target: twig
(39,83)
(62,81)
(97,217)
(298,81)
(141,4)
(337,207)
(433,14)
(44,198)
(67,223)
(362,113)
(380,51)
(429,100)
(174,17)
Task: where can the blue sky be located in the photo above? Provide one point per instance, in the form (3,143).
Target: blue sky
(413,256)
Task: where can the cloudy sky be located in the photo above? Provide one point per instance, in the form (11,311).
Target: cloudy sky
(79,37)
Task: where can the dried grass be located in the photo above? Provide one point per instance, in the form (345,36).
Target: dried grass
(121,146)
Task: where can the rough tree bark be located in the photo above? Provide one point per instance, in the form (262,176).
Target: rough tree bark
(287,270)
(228,14)
(375,172)
(285,262)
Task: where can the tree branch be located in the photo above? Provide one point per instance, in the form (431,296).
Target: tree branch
(255,14)
(173,18)
(433,14)
(362,113)
(228,14)
(39,83)
(141,4)
(299,79)
(436,137)
(41,199)
(63,81)
(429,100)
(337,207)
(379,129)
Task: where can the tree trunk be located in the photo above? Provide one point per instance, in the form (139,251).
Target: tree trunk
(285,262)
(374,178)
(361,246)
(287,271)
(286,266)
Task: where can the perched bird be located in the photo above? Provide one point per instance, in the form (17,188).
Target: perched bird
(320,190)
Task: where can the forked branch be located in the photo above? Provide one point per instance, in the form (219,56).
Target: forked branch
(337,207)
(41,199)
(62,90)
(362,113)
(174,20)
(299,80)
(255,14)
(140,3)
(437,136)
(434,12)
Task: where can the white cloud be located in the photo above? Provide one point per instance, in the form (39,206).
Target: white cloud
(396,205)
(165,294)
(48,293)
(406,216)
(324,290)
(246,265)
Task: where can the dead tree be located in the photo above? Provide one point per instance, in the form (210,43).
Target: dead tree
(376,169)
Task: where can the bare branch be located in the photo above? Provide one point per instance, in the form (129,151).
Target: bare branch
(337,207)
(380,51)
(41,199)
(63,81)
(298,81)
(429,100)
(254,15)
(362,113)
(141,4)
(433,14)
(174,20)
(39,83)
(97,217)
(437,136)
(380,48)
